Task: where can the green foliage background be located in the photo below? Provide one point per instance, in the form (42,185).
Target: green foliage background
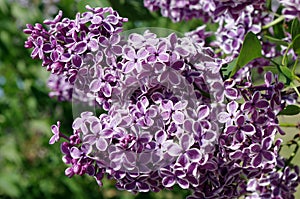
(29,167)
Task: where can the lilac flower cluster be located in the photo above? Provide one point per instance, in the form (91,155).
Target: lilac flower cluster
(246,161)
(277,184)
(62,46)
(291,9)
(165,121)
(60,88)
(231,32)
(158,120)
(235,19)
(203,9)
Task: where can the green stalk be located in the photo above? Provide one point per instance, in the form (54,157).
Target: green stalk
(288,125)
(276,21)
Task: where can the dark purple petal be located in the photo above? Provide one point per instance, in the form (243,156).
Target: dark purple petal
(231,93)
(231,129)
(183,183)
(269,156)
(267,143)
(257,160)
(108,27)
(268,78)
(255,148)
(194,154)
(80,47)
(107,89)
(168,181)
(178,65)
(209,135)
(236,155)
(239,136)
(262,104)
(248,129)
(130,186)
(240,120)
(76,61)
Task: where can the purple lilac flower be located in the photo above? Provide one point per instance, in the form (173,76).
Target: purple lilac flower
(137,134)
(60,88)
(290,9)
(277,184)
(235,20)
(199,35)
(231,32)
(56,132)
(161,122)
(203,9)
(63,50)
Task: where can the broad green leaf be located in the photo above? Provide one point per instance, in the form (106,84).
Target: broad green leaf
(251,49)
(295,28)
(290,110)
(296,44)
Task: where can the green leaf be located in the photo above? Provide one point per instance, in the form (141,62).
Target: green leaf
(295,28)
(226,70)
(290,110)
(251,49)
(275,40)
(296,44)
(286,72)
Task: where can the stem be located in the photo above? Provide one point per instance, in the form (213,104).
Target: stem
(285,54)
(294,71)
(276,21)
(294,67)
(291,91)
(288,125)
(64,136)
(296,90)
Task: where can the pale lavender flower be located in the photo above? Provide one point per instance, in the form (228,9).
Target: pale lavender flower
(55,130)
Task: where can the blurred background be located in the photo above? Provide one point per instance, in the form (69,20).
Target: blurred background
(29,166)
